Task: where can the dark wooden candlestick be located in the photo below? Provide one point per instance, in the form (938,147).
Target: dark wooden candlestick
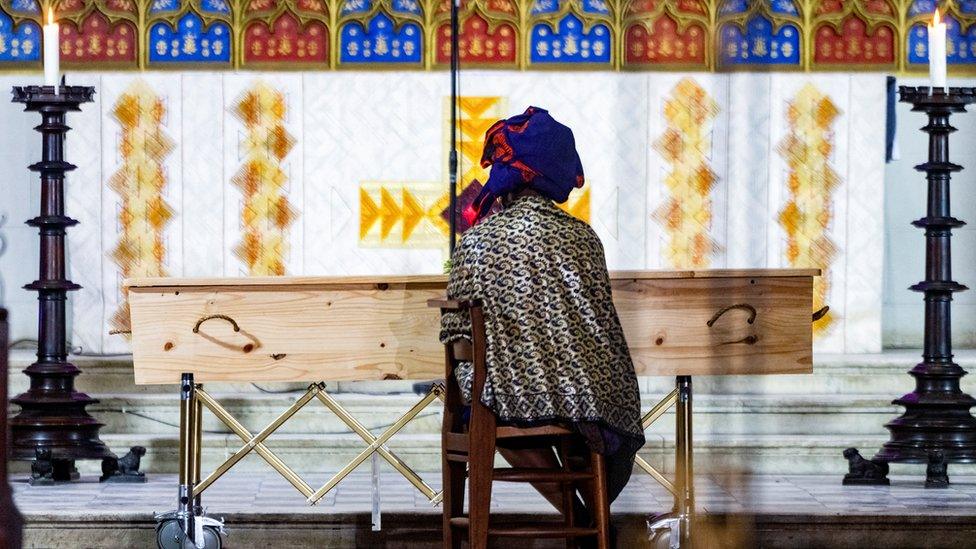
(937,427)
(10,519)
(53,427)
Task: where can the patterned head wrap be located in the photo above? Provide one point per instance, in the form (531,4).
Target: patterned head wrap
(528,150)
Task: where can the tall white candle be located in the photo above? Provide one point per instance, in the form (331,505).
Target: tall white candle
(52,56)
(937,52)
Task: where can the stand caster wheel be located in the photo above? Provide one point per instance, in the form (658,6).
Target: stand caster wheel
(661,540)
(664,532)
(169,535)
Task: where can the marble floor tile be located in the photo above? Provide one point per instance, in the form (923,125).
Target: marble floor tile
(259,493)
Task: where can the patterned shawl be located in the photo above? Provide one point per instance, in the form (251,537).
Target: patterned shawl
(555,349)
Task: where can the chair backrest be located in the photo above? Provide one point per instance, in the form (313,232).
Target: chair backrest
(463,351)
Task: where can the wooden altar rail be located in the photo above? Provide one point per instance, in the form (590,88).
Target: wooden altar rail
(316,329)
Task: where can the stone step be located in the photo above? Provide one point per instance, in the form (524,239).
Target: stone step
(714,454)
(879,374)
(787,414)
(765,425)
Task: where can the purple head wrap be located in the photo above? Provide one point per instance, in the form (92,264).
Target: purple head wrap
(528,150)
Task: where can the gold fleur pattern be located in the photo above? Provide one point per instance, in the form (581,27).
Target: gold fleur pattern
(265,211)
(807,214)
(685,145)
(139,183)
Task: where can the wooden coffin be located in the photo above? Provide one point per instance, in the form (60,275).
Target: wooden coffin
(379,327)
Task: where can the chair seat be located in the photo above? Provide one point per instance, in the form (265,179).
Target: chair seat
(540,431)
(530,530)
(458,442)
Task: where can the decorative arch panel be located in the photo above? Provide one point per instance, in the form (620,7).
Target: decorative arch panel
(94,39)
(490,34)
(960,33)
(810,35)
(856,33)
(93,34)
(481,43)
(190,33)
(192,41)
(671,34)
(19,43)
(760,34)
(285,33)
(380,33)
(571,33)
(380,41)
(760,42)
(570,42)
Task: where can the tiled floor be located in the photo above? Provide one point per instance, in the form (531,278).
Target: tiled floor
(249,493)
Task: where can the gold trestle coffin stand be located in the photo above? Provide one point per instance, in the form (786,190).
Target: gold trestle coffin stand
(190,446)
(191,441)
(649,418)
(676,524)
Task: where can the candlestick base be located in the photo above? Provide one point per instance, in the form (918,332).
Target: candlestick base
(937,427)
(53,428)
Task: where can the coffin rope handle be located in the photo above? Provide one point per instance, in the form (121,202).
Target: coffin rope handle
(722,311)
(196,328)
(821,313)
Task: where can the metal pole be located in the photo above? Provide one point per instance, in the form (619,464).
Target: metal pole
(197,448)
(185,503)
(453,158)
(684,462)
(375,492)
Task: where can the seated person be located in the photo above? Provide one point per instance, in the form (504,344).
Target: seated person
(556,353)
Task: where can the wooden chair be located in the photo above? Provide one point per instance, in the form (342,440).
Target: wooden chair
(468,450)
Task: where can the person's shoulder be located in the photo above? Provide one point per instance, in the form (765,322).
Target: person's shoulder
(478,231)
(499,221)
(577,223)
(579,228)
(476,234)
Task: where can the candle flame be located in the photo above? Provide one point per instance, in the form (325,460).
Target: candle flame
(935,18)
(50,16)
